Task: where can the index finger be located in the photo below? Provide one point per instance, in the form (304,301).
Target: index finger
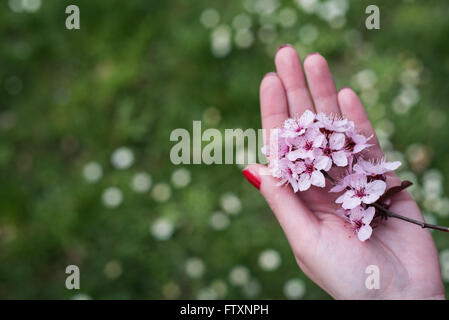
(273,102)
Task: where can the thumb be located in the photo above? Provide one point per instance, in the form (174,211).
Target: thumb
(300,225)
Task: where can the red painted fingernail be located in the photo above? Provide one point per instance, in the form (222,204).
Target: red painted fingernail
(284,46)
(252,178)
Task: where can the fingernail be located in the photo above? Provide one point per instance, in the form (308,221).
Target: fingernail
(345,88)
(284,46)
(313,54)
(269,74)
(252,178)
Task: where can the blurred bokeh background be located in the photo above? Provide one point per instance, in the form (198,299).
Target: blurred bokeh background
(86,115)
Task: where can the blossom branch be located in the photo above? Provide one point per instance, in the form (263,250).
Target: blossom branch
(306,148)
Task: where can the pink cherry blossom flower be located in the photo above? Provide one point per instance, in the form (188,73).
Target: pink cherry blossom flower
(344,182)
(332,123)
(375,169)
(298,126)
(360,220)
(356,142)
(360,191)
(312,174)
(306,144)
(287,172)
(333,151)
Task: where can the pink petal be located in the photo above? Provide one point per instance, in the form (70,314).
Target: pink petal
(318,141)
(364,233)
(359,139)
(357,213)
(304,182)
(338,188)
(341,198)
(369,215)
(392,165)
(294,155)
(323,163)
(299,167)
(360,147)
(374,190)
(306,118)
(317,179)
(351,202)
(337,141)
(294,184)
(290,124)
(340,158)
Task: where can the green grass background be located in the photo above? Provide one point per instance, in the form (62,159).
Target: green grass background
(135,71)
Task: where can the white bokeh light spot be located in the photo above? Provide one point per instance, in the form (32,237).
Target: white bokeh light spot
(162,229)
(112,197)
(122,158)
(141,182)
(92,171)
(269,260)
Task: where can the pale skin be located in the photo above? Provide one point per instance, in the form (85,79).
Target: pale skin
(326,249)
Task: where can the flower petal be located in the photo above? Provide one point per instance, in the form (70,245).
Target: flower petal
(351,202)
(356,213)
(360,147)
(368,215)
(318,140)
(364,233)
(306,118)
(337,141)
(323,163)
(304,182)
(392,165)
(374,190)
(317,179)
(340,158)
(294,155)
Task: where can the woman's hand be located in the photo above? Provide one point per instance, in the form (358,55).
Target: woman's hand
(326,250)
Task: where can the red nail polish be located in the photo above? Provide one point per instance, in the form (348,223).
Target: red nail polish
(284,46)
(252,178)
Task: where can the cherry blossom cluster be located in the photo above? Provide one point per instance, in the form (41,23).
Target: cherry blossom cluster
(305,148)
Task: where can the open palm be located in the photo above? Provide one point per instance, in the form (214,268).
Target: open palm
(324,247)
